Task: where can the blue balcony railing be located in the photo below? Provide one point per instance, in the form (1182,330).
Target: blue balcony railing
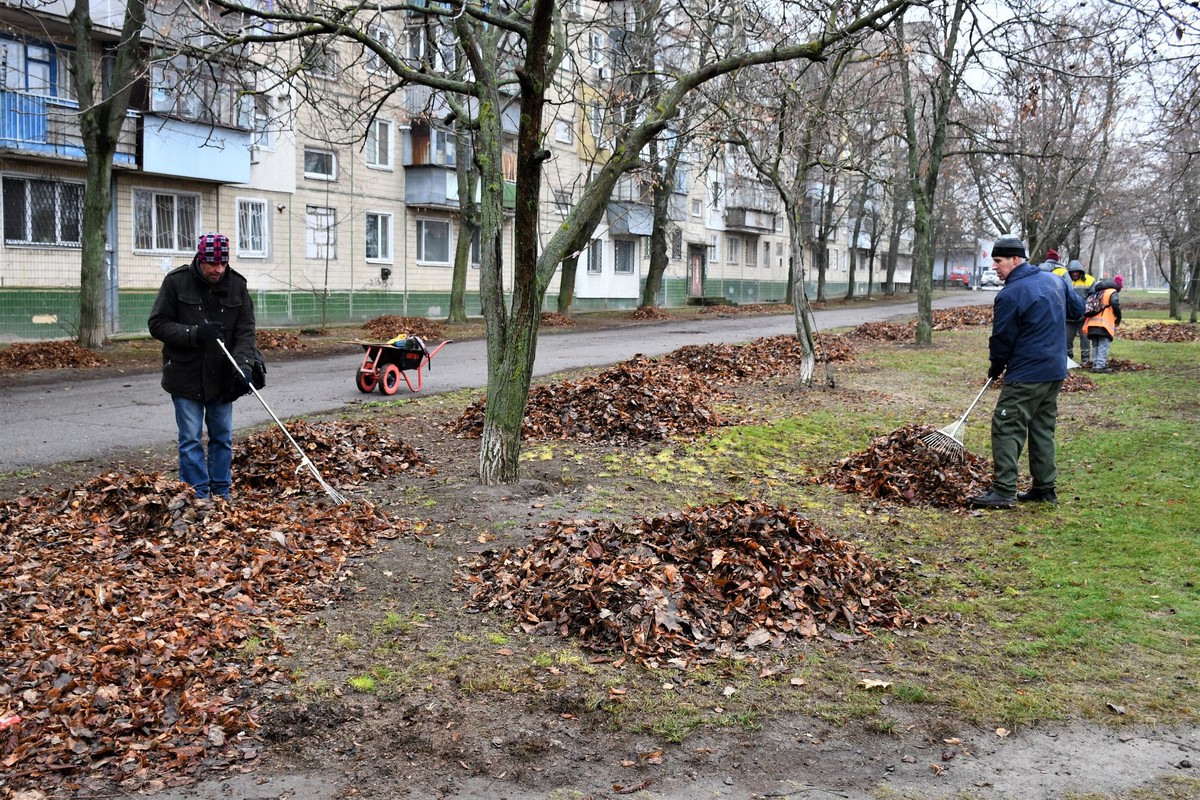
(49,126)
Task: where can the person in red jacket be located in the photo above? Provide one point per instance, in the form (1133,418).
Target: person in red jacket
(198,304)
(1101,329)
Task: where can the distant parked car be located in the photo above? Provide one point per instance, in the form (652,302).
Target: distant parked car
(960,276)
(989,278)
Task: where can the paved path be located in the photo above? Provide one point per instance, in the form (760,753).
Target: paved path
(90,420)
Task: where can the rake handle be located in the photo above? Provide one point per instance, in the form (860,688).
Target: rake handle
(971,407)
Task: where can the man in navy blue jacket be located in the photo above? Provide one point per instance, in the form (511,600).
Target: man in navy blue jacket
(1028,347)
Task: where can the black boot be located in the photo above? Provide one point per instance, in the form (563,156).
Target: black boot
(992,499)
(1038,496)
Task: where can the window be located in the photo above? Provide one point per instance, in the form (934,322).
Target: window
(751,253)
(320,233)
(444,144)
(320,61)
(433,241)
(165,222)
(596,121)
(386,39)
(476,258)
(714,248)
(595,264)
(677,244)
(43,212)
(623,256)
(379,237)
(734,249)
(563,201)
(379,144)
(252,228)
(260,137)
(35,68)
(766,261)
(184,87)
(562,131)
(320,164)
(697,208)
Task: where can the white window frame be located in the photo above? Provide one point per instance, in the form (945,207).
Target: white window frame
(766,256)
(564,133)
(714,249)
(322,61)
(184,241)
(751,253)
(423,255)
(733,249)
(627,264)
(62,202)
(564,201)
(697,207)
(384,223)
(320,233)
(249,208)
(331,175)
(595,263)
(384,35)
(378,153)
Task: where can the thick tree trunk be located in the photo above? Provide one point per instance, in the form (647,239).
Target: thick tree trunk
(658,241)
(566,283)
(93,261)
(803,315)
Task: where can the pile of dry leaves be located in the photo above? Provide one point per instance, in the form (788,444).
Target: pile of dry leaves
(690,586)
(762,358)
(134,627)
(942,319)
(553,319)
(635,400)
(647,313)
(48,355)
(389,326)
(278,340)
(1165,332)
(898,468)
(749,309)
(1125,365)
(343,452)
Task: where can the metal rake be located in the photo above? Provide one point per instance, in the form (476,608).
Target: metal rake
(305,461)
(948,441)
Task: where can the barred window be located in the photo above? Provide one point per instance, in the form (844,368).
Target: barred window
(252,228)
(165,222)
(43,212)
(623,256)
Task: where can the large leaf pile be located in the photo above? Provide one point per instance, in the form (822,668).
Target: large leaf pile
(647,313)
(690,586)
(343,452)
(553,319)
(133,625)
(389,326)
(898,468)
(635,400)
(748,310)
(762,358)
(1165,332)
(942,319)
(48,355)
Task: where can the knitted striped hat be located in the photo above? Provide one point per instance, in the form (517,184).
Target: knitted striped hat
(213,248)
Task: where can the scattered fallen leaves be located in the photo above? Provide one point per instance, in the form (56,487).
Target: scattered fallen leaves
(899,468)
(748,309)
(135,625)
(389,326)
(49,355)
(649,588)
(1002,732)
(1125,365)
(945,319)
(874,683)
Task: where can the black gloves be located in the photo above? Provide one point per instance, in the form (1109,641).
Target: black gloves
(208,332)
(996,369)
(245,376)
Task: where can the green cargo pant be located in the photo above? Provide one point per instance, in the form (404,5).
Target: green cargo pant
(1024,411)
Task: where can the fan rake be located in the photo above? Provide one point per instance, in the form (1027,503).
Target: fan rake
(948,441)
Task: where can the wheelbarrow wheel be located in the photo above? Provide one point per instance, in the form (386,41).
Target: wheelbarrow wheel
(389,382)
(366,381)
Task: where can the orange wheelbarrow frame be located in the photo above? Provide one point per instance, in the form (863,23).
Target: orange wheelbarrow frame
(384,364)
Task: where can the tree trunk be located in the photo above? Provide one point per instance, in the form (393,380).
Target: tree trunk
(658,241)
(100,128)
(468,211)
(566,283)
(803,314)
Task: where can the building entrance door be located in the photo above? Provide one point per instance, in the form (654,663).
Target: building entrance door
(695,272)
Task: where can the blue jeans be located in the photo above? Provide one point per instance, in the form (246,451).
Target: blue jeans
(211,475)
(1100,346)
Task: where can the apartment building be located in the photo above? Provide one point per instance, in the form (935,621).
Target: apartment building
(337,214)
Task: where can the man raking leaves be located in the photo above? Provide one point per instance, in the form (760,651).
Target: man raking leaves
(1028,346)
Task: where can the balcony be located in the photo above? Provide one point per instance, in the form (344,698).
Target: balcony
(49,127)
(751,208)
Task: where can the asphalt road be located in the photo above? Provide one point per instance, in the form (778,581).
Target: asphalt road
(91,420)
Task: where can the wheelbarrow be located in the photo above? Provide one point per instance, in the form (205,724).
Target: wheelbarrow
(385,364)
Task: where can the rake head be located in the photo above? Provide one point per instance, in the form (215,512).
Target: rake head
(947,442)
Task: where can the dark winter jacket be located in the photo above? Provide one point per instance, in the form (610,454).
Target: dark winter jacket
(1029,325)
(185,300)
